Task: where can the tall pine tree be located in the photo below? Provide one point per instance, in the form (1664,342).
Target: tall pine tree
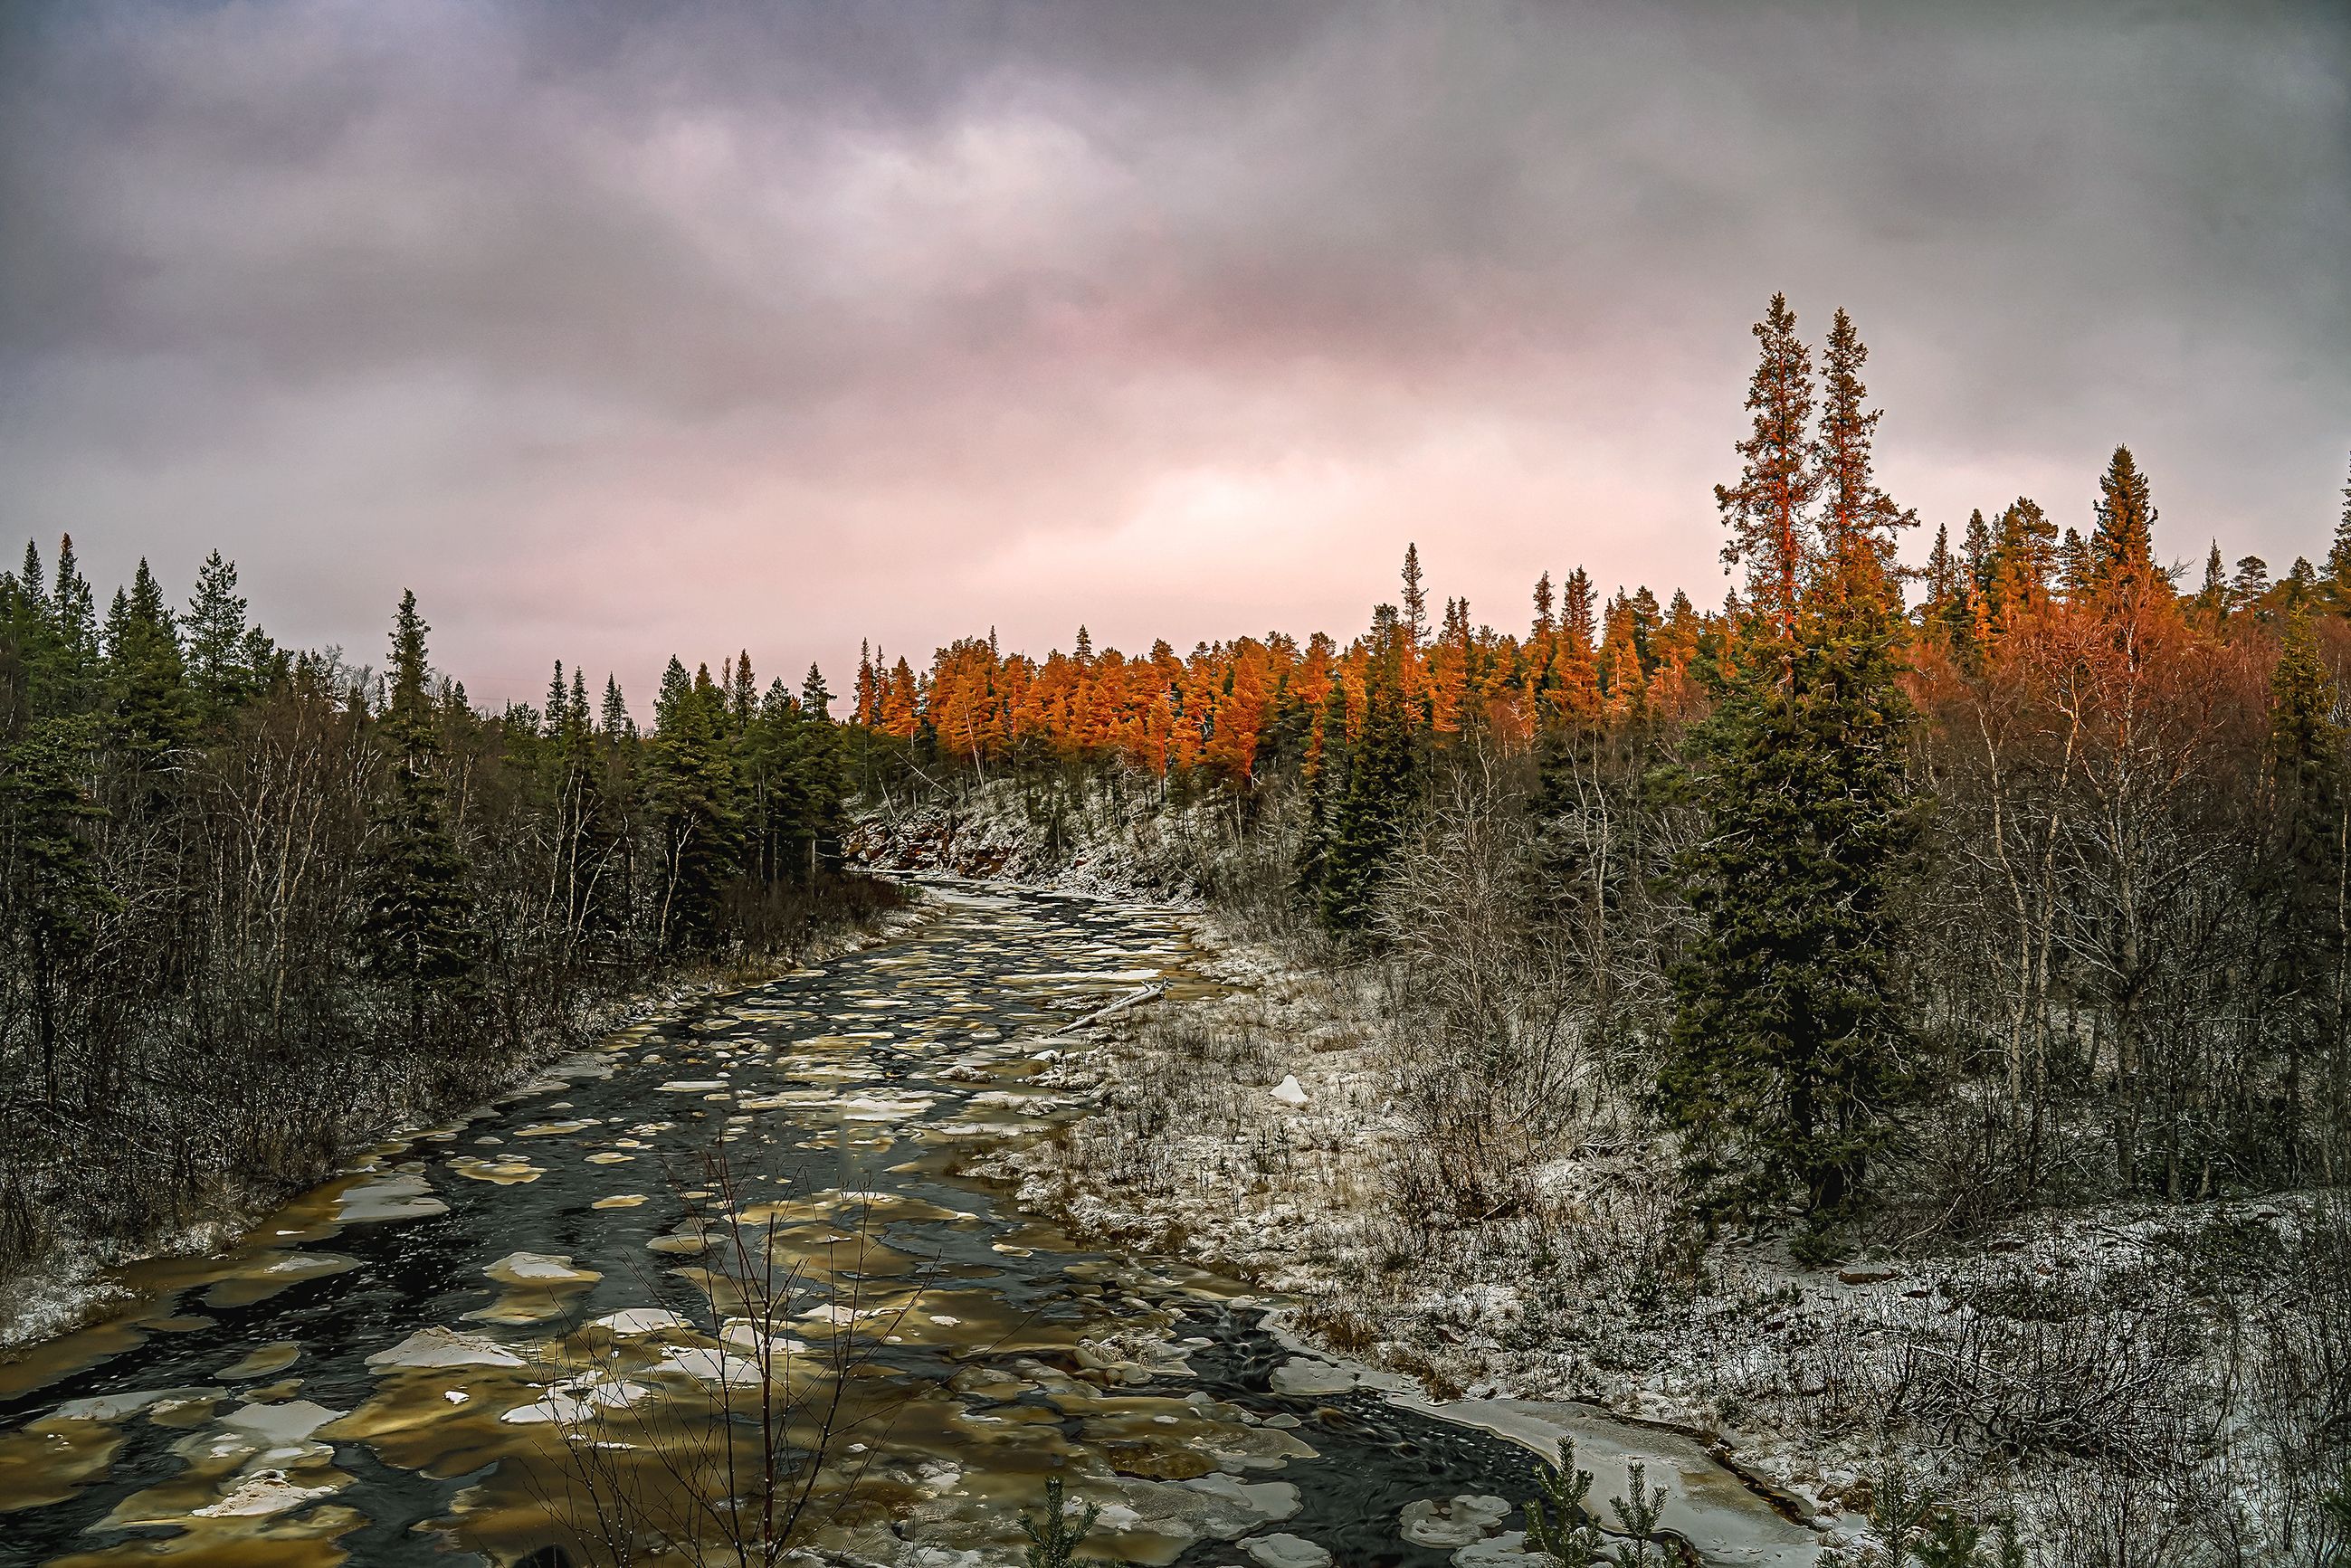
(417,935)
(1787,1042)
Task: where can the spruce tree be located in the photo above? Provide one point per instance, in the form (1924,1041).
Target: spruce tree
(56,892)
(2122,548)
(73,611)
(1367,820)
(1563,1532)
(2300,878)
(693,795)
(614,717)
(1416,598)
(2211,600)
(1326,785)
(1857,518)
(417,935)
(218,641)
(1768,512)
(2338,558)
(1979,550)
(151,710)
(1785,1050)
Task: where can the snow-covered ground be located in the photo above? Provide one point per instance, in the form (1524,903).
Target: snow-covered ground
(1260,1133)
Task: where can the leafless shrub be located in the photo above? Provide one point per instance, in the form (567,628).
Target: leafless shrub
(728,1464)
(1487,1046)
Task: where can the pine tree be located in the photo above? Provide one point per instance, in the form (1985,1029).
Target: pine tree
(2299,883)
(1859,522)
(1563,1532)
(2338,558)
(73,610)
(1979,550)
(1415,599)
(57,891)
(2211,600)
(1637,1518)
(217,642)
(693,797)
(417,935)
(2122,548)
(1367,820)
(1767,511)
(1053,1541)
(2251,585)
(1785,1047)
(614,719)
(151,712)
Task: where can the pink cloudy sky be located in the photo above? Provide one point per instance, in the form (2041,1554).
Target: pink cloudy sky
(622,330)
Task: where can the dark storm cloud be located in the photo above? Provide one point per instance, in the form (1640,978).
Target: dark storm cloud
(608,326)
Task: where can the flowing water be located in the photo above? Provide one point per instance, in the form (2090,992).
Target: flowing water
(538,1310)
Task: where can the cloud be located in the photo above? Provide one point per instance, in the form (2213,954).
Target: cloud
(616,331)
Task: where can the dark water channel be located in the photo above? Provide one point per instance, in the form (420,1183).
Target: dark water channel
(401,1366)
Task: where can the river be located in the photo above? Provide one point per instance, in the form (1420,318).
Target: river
(533,1308)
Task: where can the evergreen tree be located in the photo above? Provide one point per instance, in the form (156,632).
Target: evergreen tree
(1416,598)
(1787,1038)
(2338,557)
(1767,510)
(2251,586)
(1326,785)
(1980,552)
(2300,881)
(2211,600)
(1563,1532)
(1856,516)
(151,712)
(1367,820)
(32,637)
(693,797)
(56,892)
(1578,624)
(815,701)
(73,610)
(218,641)
(417,935)
(2122,548)
(2074,564)
(615,718)
(2023,557)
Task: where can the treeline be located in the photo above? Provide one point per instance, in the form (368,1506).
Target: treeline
(256,902)
(1925,895)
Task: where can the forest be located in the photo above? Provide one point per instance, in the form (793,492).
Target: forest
(257,904)
(1698,972)
(2033,845)
(1898,1015)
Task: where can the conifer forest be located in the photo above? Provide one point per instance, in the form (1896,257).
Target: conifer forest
(1186,785)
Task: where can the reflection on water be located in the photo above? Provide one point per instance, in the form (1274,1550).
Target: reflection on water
(407,1364)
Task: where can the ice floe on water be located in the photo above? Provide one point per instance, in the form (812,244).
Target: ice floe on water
(399,1194)
(440,1346)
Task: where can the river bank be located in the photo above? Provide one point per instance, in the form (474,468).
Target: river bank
(1263,1133)
(72,1283)
(404,1366)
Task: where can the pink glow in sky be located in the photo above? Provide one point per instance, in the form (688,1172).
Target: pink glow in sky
(616,332)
